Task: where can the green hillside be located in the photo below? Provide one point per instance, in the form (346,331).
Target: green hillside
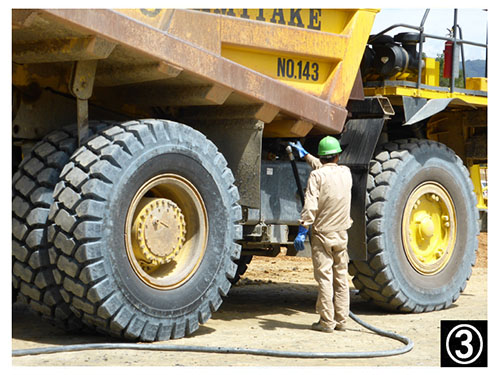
(475,68)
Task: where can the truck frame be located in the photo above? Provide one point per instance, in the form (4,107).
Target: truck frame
(149,160)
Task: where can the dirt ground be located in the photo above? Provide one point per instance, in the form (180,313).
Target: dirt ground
(271,307)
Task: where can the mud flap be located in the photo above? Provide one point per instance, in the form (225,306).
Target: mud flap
(358,143)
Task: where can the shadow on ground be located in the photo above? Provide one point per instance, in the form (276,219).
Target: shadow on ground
(258,300)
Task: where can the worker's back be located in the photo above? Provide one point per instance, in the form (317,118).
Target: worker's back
(331,184)
(334,201)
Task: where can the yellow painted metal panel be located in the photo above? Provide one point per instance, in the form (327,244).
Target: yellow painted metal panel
(479,177)
(341,84)
(260,36)
(477,83)
(430,74)
(317,51)
(323,63)
(327,20)
(304,74)
(389,91)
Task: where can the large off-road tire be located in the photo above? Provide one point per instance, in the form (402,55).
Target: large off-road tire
(422,227)
(32,188)
(146,216)
(242,264)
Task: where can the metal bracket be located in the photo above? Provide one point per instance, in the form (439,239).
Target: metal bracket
(412,105)
(371,106)
(81,86)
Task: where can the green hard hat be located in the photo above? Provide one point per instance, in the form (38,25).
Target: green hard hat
(329,146)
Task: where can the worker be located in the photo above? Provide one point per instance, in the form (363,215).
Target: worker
(327,208)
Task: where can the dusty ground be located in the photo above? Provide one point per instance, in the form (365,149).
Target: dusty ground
(272,307)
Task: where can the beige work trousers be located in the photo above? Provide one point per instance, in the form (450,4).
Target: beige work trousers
(330,271)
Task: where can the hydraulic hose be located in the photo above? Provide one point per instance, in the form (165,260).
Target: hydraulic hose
(232,350)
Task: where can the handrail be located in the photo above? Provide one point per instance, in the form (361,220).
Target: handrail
(422,35)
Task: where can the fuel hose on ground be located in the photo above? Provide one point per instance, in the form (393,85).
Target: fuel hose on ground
(235,350)
(231,350)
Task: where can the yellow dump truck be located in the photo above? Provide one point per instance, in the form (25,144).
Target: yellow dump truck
(149,160)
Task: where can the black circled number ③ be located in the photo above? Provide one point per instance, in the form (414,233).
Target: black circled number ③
(464,344)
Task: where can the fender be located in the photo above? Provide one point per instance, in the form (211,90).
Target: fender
(432,107)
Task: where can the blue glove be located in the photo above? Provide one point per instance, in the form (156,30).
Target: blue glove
(300,239)
(298,146)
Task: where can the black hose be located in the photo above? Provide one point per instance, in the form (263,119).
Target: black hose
(232,350)
(295,173)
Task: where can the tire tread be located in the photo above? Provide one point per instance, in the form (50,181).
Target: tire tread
(77,210)
(374,277)
(34,184)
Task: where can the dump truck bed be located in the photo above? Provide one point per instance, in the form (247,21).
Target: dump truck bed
(187,61)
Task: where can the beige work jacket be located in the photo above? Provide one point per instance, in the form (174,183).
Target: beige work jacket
(327,203)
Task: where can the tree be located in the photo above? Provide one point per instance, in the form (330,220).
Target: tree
(445,82)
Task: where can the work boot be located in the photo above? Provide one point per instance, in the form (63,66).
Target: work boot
(340,327)
(321,328)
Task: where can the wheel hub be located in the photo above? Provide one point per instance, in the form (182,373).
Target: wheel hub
(159,231)
(429,228)
(166,231)
(426,227)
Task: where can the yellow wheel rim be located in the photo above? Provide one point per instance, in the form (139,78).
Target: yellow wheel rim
(429,228)
(166,231)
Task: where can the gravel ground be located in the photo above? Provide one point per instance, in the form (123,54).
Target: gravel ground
(271,307)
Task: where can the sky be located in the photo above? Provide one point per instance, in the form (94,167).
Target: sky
(472,21)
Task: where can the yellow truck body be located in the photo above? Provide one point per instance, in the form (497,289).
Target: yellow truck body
(302,76)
